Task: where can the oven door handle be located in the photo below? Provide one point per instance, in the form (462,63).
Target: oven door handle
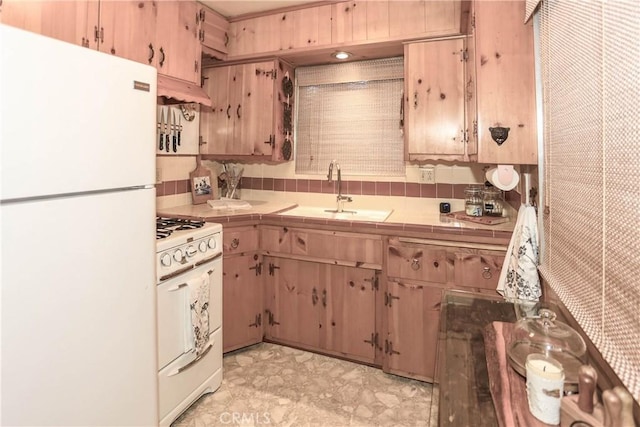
(176,273)
(193,362)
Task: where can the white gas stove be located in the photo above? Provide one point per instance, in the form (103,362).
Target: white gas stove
(182,244)
(188,261)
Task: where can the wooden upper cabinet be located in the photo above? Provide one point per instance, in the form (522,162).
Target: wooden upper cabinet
(377,20)
(504,66)
(127,29)
(420,17)
(74,21)
(213,32)
(434,100)
(178,47)
(349,21)
(312,27)
(247,118)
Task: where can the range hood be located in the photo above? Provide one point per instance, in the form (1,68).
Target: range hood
(176,91)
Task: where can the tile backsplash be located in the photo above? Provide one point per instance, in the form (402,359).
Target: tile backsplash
(279,182)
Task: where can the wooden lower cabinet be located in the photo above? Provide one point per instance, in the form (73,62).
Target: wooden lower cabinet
(324,307)
(412,325)
(242,295)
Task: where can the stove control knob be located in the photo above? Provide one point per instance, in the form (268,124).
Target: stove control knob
(212,243)
(165,259)
(202,246)
(191,251)
(177,255)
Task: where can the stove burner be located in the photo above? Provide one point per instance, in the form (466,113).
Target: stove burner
(166,226)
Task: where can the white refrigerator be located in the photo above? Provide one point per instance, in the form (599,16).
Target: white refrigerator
(77,212)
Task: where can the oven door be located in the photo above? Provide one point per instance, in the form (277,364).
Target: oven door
(175,333)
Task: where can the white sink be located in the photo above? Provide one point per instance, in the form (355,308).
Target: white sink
(347,214)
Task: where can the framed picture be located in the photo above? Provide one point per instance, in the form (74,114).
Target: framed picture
(203,186)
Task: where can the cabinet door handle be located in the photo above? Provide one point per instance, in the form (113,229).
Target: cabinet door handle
(372,342)
(226,39)
(101,34)
(314,296)
(162,57)
(436,264)
(151,53)
(415,264)
(229,111)
(486,273)
(235,243)
(238,110)
(324,297)
(415,99)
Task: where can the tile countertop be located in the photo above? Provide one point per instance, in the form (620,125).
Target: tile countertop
(404,219)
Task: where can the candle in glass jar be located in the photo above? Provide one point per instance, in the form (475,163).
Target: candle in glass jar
(545,384)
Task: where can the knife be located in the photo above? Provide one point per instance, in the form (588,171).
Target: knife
(179,127)
(168,131)
(174,132)
(161,144)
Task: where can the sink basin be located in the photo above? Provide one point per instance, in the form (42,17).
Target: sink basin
(347,214)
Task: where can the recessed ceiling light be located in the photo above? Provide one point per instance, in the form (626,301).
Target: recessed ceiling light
(341,55)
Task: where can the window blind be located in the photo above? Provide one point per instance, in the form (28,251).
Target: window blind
(350,113)
(591,79)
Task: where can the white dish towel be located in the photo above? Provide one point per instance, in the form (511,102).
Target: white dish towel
(519,276)
(198,302)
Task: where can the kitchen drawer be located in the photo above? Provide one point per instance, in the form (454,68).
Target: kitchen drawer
(478,269)
(361,249)
(238,240)
(418,262)
(275,239)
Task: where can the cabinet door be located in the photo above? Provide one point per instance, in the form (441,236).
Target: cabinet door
(406,17)
(254,118)
(177,37)
(505,82)
(348,21)
(434,100)
(216,124)
(294,306)
(70,21)
(214,31)
(413,316)
(242,302)
(311,27)
(351,312)
(127,29)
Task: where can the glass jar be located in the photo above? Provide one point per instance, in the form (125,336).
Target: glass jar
(550,337)
(493,202)
(473,201)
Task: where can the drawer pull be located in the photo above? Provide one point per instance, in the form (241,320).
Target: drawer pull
(415,264)
(486,273)
(436,264)
(235,243)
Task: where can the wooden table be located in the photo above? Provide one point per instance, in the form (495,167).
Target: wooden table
(465,394)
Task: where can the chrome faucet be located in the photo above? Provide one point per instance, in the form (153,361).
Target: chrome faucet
(340,199)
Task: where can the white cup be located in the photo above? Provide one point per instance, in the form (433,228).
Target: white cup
(545,384)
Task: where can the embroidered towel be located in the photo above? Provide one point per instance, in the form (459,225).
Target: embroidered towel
(199,309)
(519,276)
